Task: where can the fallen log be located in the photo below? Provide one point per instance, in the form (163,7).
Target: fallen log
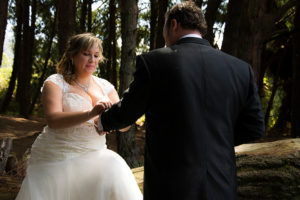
(266,171)
(5,147)
(269,171)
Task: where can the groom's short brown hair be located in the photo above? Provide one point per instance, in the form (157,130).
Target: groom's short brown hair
(189,15)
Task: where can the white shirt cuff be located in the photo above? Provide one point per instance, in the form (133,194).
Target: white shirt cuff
(100,127)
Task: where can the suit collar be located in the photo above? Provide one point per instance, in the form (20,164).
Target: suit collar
(193,40)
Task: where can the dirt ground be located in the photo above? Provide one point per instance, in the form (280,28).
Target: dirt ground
(24,132)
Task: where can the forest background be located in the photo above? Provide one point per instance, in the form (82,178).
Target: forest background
(264,33)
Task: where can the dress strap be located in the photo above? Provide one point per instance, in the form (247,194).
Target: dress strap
(58,80)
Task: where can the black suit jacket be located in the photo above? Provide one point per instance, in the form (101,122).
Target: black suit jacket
(199,103)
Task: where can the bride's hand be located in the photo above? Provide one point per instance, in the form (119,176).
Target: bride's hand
(100,107)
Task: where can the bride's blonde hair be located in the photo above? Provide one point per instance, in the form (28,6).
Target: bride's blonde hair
(75,45)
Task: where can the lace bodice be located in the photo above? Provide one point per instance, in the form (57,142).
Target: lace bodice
(60,144)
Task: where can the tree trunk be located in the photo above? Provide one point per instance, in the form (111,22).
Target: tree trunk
(129,13)
(3,23)
(45,67)
(90,15)
(235,8)
(66,22)
(111,36)
(210,17)
(153,23)
(271,101)
(112,59)
(5,147)
(162,8)
(296,78)
(83,15)
(129,33)
(127,147)
(280,127)
(248,25)
(17,55)
(25,72)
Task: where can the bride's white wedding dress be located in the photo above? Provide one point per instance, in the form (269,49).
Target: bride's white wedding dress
(74,163)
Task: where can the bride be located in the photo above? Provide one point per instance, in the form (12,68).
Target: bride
(69,159)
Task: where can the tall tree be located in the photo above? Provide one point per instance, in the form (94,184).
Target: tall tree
(90,16)
(112,44)
(248,26)
(48,47)
(84,7)
(25,71)
(66,22)
(127,147)
(3,23)
(157,20)
(153,23)
(296,78)
(162,8)
(17,55)
(210,17)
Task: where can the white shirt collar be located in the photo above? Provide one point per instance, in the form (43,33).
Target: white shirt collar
(191,35)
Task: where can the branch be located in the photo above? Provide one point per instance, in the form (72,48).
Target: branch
(284,34)
(286,7)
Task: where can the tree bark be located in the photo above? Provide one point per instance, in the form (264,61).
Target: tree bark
(153,23)
(5,147)
(129,33)
(90,15)
(210,17)
(296,78)
(83,15)
(17,55)
(25,72)
(162,8)
(271,101)
(45,67)
(233,21)
(280,127)
(112,56)
(129,13)
(3,23)
(66,22)
(248,25)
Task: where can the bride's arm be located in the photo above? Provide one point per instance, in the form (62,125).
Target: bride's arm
(55,117)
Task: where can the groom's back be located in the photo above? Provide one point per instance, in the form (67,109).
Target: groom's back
(197,95)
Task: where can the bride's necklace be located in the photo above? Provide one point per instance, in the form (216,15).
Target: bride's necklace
(84,87)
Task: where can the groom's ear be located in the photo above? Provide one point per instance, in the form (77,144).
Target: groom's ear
(173,25)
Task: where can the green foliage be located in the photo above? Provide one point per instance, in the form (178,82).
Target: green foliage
(6,62)
(143,30)
(268,86)
(5,73)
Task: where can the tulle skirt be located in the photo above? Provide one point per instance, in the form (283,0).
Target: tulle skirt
(93,175)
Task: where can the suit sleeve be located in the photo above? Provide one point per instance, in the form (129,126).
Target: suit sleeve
(250,123)
(134,102)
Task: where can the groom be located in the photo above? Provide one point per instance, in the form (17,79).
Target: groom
(199,103)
